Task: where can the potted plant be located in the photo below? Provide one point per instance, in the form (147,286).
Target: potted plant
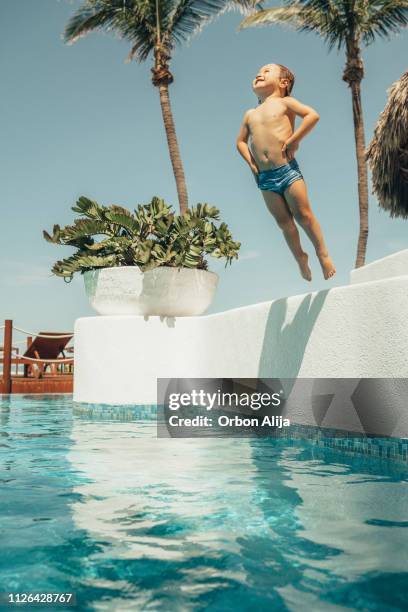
(147,262)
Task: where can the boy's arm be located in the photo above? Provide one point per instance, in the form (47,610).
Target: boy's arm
(242,144)
(310,118)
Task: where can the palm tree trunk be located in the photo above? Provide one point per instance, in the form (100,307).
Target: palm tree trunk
(362,174)
(353,75)
(173,146)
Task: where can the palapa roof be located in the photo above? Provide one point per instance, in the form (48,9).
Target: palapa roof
(387,153)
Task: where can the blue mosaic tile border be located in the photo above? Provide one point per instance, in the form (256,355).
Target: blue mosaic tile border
(109,412)
(381,447)
(391,449)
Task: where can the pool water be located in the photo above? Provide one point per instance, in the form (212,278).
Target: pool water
(126,521)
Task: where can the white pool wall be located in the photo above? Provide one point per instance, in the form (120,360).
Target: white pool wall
(354,331)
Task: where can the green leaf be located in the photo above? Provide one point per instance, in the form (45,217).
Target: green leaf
(124,218)
(84,228)
(55,238)
(89,208)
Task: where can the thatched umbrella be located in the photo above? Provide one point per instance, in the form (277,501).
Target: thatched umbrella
(388,152)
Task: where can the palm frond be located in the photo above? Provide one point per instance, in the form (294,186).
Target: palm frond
(319,16)
(290,14)
(190,16)
(385,17)
(140,27)
(133,20)
(336,21)
(138,22)
(96,14)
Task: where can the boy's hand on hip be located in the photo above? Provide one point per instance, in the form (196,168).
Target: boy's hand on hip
(289,149)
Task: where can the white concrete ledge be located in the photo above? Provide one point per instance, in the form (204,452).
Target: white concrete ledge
(387,267)
(354,331)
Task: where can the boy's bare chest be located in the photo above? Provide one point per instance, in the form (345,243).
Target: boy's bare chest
(268,115)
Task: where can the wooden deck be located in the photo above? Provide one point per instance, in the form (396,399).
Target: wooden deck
(62,383)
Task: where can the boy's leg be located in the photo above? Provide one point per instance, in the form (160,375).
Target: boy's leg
(284,218)
(298,202)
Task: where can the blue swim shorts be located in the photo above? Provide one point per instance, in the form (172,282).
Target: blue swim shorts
(278,179)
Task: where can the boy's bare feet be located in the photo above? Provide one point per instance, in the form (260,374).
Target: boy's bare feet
(304,267)
(327,265)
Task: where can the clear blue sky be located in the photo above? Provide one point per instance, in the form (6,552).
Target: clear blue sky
(79,120)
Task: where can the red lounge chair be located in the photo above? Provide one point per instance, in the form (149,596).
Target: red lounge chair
(45,348)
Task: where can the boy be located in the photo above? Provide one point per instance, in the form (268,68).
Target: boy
(274,142)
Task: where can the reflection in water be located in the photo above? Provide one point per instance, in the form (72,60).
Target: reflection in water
(321,513)
(163,499)
(211,521)
(132,522)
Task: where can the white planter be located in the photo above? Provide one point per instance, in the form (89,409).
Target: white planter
(171,292)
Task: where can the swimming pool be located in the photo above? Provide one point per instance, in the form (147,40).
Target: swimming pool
(126,521)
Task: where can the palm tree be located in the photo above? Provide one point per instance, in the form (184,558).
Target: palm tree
(345,24)
(153,27)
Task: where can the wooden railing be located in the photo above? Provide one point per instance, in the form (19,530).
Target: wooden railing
(9,358)
(8,345)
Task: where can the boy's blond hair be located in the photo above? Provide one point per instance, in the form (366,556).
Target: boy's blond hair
(287,74)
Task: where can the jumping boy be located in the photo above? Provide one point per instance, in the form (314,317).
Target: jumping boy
(274,142)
